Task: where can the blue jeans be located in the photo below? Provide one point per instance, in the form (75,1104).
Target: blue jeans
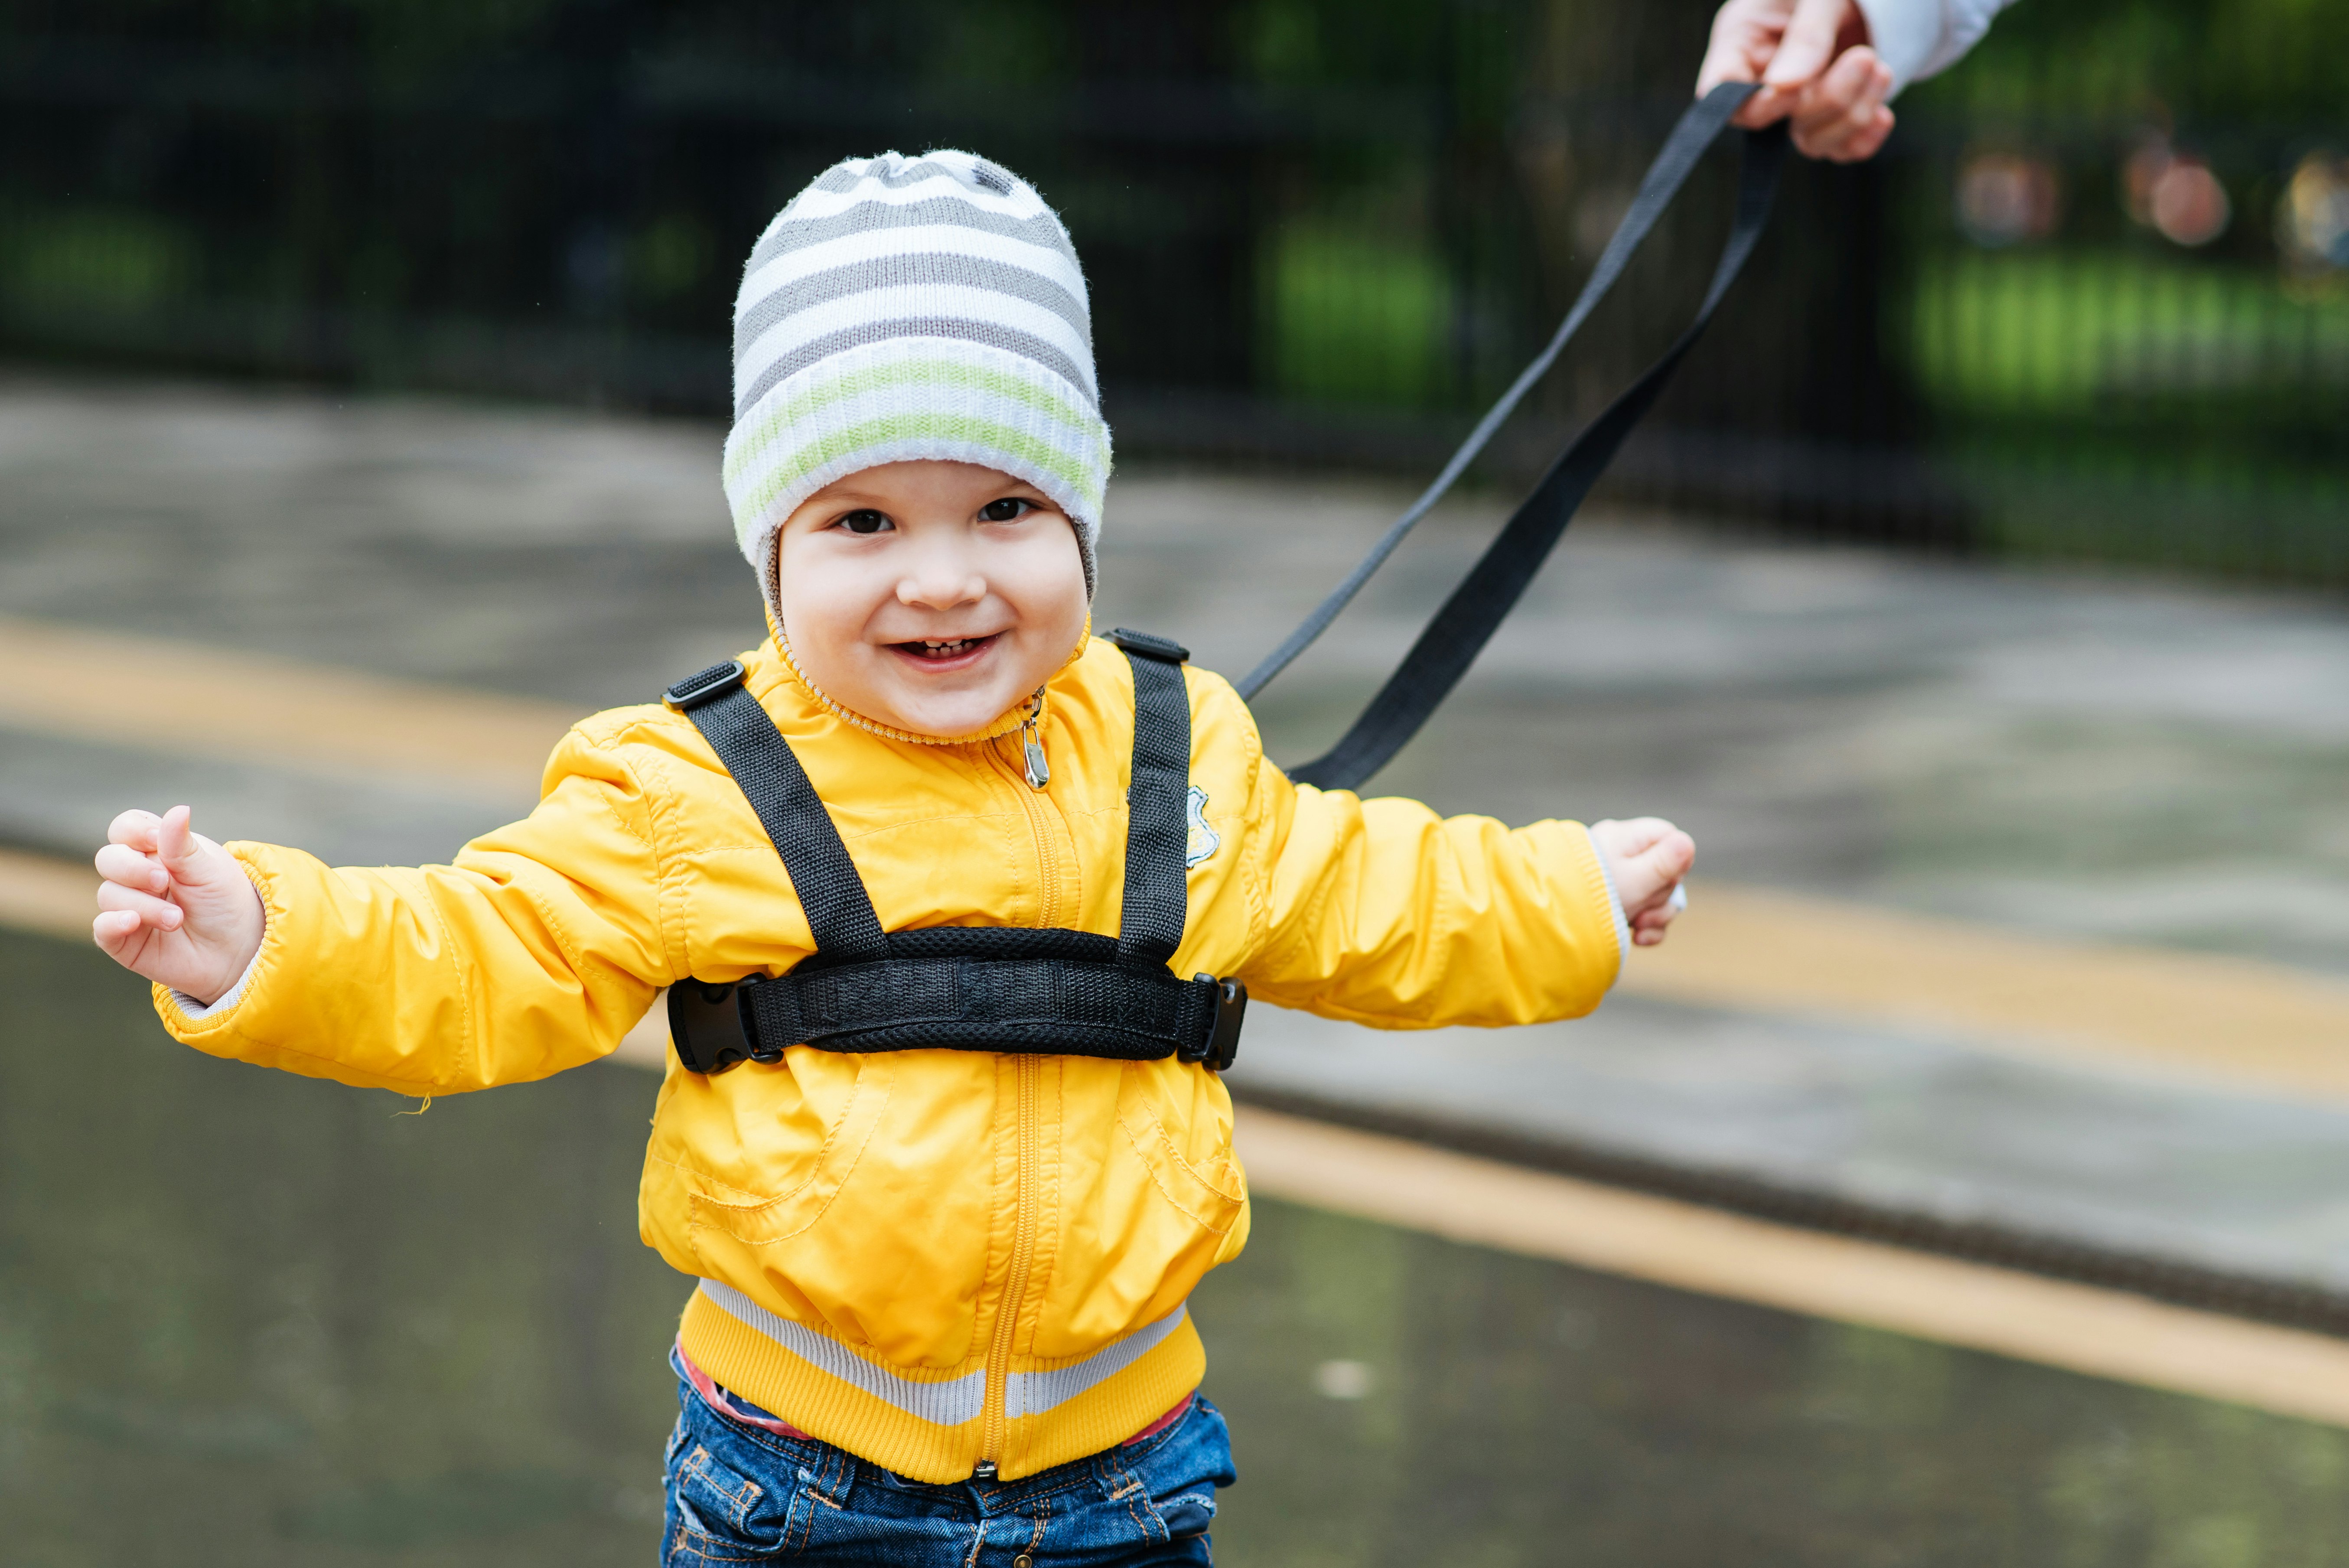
(737,1494)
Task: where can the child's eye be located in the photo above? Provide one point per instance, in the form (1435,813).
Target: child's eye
(864,521)
(1004,510)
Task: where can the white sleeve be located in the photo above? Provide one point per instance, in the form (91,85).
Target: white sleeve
(1920,37)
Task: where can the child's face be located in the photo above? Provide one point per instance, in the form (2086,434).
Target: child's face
(930,597)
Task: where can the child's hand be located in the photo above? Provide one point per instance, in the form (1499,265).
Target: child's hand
(1647,856)
(179,908)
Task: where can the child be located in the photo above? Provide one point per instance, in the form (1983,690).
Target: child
(942,1274)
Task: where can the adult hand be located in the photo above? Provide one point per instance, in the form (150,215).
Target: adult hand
(1816,70)
(178,909)
(1647,857)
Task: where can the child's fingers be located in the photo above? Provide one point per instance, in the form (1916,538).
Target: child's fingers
(118,934)
(174,844)
(121,863)
(134,827)
(1649,926)
(1668,858)
(1631,839)
(161,913)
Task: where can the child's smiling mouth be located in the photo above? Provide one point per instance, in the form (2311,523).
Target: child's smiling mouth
(946,653)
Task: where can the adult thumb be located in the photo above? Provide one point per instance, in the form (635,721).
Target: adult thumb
(1808,42)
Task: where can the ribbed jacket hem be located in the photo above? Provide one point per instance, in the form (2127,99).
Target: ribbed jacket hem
(930,1425)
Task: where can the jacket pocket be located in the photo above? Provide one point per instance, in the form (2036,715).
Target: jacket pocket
(1150,1191)
(1197,1173)
(765,1221)
(883,1243)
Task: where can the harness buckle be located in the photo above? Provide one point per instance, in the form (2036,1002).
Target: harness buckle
(1223,1047)
(714,682)
(709,1024)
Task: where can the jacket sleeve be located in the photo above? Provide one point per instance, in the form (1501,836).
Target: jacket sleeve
(535,951)
(1919,38)
(1383,913)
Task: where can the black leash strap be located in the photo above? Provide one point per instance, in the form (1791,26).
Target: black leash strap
(1460,630)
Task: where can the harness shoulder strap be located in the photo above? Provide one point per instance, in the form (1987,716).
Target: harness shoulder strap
(839,910)
(754,751)
(1156,894)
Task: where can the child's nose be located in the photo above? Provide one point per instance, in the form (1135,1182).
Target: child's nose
(942,589)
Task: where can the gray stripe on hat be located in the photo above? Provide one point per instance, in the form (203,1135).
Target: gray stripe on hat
(914,270)
(1042,229)
(900,175)
(1023,344)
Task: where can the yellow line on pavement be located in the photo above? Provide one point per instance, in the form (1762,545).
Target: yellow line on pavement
(55,898)
(2102,1333)
(179,698)
(1759,951)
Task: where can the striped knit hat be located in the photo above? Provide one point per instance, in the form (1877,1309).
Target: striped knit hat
(903,308)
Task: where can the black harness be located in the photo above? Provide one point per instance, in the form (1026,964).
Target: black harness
(954,987)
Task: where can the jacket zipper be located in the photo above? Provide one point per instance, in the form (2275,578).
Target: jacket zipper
(997,1424)
(1026,1070)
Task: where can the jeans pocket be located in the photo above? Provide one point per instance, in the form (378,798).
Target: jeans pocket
(717,1512)
(1182,1469)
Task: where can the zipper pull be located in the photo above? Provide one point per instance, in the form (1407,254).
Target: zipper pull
(983,1471)
(1040,772)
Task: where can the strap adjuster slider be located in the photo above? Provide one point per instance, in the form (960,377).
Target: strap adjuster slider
(714,682)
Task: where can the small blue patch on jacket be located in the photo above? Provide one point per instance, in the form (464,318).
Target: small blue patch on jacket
(1199,840)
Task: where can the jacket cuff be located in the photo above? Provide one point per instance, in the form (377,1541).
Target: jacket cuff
(1614,907)
(182,1014)
(197,1011)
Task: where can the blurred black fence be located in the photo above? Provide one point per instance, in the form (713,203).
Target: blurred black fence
(2093,302)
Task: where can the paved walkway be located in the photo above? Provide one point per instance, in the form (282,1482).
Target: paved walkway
(2053,759)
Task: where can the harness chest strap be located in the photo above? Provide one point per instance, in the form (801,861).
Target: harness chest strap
(982,989)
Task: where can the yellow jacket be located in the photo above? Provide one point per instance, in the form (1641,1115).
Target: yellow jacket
(930,1258)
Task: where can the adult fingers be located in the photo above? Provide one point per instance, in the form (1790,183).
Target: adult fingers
(135,828)
(1808,42)
(1859,142)
(161,913)
(121,863)
(1848,139)
(1840,113)
(1743,33)
(1789,63)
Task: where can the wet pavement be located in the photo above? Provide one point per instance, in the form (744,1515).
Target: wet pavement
(270,1321)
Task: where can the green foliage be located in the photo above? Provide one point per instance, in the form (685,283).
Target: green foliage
(2064,333)
(2261,60)
(94,258)
(1353,317)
